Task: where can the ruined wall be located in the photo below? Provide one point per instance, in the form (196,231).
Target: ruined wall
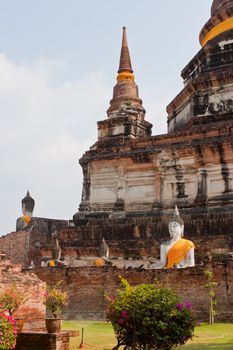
(39,341)
(87,286)
(138,237)
(16,246)
(24,246)
(138,240)
(32,310)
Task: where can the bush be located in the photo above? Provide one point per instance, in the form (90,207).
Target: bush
(150,317)
(55,299)
(7,331)
(10,298)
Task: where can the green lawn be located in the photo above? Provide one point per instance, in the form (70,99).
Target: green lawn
(100,336)
(216,337)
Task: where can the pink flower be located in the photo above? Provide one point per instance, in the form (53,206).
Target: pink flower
(179,306)
(124,313)
(188,305)
(121,321)
(8,331)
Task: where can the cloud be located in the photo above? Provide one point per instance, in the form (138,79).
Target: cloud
(45,128)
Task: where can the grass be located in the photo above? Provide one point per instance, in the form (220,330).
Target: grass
(100,336)
(216,337)
(97,335)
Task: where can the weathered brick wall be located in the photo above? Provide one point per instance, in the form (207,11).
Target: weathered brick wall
(87,286)
(23,246)
(32,310)
(139,237)
(122,241)
(16,246)
(43,341)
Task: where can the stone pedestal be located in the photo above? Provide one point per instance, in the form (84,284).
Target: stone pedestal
(45,341)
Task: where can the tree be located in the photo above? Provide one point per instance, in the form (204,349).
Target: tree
(210,286)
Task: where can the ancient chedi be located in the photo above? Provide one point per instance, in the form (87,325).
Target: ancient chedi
(208,94)
(139,178)
(102,189)
(133,180)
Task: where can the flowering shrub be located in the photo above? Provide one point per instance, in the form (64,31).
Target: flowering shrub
(150,317)
(8,331)
(11,298)
(55,299)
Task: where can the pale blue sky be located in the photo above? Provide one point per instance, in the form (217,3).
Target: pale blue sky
(58,63)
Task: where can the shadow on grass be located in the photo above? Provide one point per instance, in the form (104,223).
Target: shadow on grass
(208,346)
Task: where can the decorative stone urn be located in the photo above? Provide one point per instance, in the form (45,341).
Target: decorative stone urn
(53,325)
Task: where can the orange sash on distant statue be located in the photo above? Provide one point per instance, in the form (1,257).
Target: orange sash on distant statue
(178,252)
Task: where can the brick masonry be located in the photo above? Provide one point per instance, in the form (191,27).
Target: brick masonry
(18,244)
(32,310)
(87,287)
(43,341)
(131,236)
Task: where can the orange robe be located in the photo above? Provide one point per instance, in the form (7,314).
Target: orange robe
(178,252)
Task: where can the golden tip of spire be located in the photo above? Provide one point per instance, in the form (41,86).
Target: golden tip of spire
(125,70)
(125,76)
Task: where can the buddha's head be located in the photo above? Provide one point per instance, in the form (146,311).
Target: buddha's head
(176,225)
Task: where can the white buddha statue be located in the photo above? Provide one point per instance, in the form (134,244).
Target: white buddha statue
(177,252)
(104,250)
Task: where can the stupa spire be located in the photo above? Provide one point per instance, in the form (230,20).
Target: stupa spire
(125,61)
(125,68)
(125,92)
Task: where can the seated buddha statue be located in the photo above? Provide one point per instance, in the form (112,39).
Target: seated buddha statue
(177,252)
(104,249)
(28,204)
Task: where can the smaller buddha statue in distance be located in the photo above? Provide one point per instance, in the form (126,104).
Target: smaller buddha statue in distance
(55,247)
(177,252)
(103,255)
(28,205)
(104,249)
